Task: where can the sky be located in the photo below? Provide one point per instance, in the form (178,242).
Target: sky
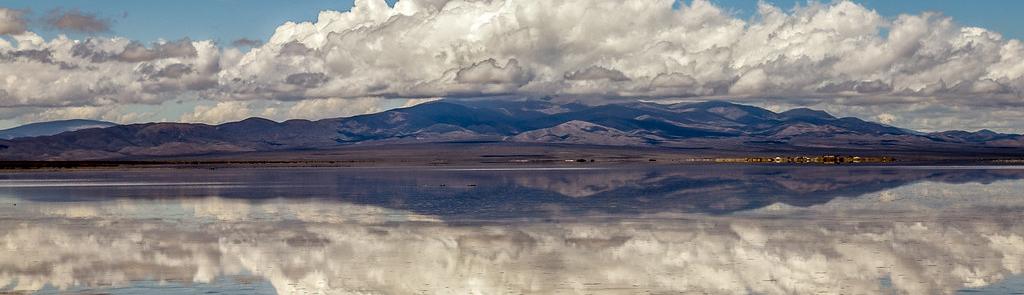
(927,65)
(229,20)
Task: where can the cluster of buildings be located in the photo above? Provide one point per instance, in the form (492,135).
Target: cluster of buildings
(808,160)
(1009,161)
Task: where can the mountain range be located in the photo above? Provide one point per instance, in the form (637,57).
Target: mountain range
(709,127)
(51,128)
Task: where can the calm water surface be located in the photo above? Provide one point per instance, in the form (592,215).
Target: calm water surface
(696,229)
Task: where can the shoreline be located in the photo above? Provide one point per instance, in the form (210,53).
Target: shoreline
(528,155)
(9,166)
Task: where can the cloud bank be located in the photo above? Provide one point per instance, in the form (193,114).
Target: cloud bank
(593,48)
(841,56)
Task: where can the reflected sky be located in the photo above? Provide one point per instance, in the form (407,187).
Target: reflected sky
(717,230)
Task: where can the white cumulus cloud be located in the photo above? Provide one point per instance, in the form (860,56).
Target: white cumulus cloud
(541,48)
(62,72)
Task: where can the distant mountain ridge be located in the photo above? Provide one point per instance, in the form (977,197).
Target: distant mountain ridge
(708,126)
(51,128)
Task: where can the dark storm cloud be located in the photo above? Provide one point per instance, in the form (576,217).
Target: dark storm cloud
(44,56)
(307,80)
(39,55)
(77,21)
(136,52)
(294,48)
(865,87)
(490,72)
(596,73)
(12,21)
(246,42)
(172,71)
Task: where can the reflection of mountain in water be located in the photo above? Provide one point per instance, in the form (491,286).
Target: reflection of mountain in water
(453,194)
(306,246)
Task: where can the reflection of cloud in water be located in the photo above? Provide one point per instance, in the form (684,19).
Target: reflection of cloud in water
(578,185)
(920,199)
(336,248)
(457,194)
(728,189)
